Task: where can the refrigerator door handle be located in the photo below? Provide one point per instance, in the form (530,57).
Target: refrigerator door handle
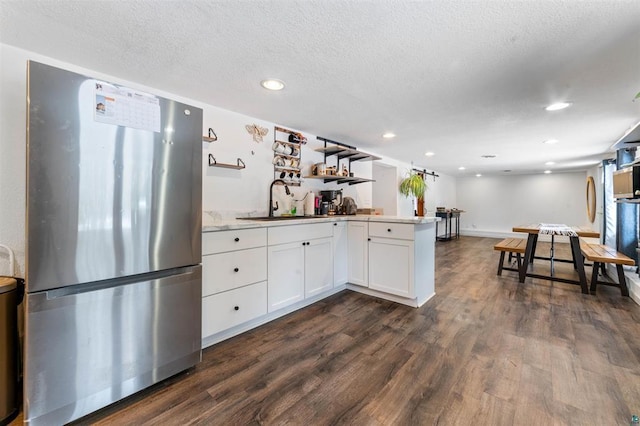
(116,282)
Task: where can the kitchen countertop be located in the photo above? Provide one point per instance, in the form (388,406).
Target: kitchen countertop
(211,224)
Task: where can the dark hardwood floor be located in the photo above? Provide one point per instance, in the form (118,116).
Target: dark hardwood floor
(485,350)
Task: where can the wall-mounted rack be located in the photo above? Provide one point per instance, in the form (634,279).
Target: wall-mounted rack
(238,166)
(287,155)
(342,151)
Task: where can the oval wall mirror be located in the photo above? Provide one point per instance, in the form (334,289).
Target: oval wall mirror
(591,199)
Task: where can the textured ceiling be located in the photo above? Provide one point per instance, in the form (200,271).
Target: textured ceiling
(458,78)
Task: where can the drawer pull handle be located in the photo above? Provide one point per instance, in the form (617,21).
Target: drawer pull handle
(235,269)
(236,239)
(389,230)
(236,308)
(368,239)
(335,224)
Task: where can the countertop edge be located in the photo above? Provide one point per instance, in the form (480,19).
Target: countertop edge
(225,225)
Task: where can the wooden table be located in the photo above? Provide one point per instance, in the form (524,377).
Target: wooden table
(577,259)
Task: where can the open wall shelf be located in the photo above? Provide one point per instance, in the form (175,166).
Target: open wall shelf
(238,166)
(342,152)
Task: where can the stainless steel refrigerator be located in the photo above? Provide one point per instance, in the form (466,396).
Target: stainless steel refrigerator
(113,252)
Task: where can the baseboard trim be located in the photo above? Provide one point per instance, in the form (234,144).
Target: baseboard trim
(488,234)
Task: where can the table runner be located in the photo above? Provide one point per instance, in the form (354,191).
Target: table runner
(557,229)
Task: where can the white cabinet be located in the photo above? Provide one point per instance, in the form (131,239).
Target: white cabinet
(391,266)
(318,266)
(286,275)
(392,260)
(226,271)
(300,263)
(230,308)
(238,239)
(358,253)
(234,274)
(340,254)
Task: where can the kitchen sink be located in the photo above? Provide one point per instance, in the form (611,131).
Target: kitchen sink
(277,218)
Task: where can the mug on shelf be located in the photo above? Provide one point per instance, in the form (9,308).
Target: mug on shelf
(278,161)
(279,148)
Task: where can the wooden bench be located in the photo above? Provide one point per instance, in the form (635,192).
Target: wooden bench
(600,254)
(511,246)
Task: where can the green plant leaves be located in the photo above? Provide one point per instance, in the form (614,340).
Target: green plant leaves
(413,185)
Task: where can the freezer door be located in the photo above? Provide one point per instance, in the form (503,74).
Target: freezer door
(112,192)
(87,349)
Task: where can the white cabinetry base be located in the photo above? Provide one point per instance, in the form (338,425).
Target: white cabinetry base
(239,329)
(415,302)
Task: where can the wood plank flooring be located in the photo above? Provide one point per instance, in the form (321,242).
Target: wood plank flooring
(485,350)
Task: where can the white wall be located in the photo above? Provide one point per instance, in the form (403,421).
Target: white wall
(385,188)
(441,192)
(494,204)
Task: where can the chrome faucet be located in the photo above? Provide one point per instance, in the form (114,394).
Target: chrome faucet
(286,189)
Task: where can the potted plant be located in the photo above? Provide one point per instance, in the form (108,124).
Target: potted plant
(414,186)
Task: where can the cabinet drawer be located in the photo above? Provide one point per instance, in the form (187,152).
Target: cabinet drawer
(226,271)
(239,239)
(225,310)
(293,233)
(402,231)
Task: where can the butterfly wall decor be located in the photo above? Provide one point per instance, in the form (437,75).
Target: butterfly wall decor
(256,131)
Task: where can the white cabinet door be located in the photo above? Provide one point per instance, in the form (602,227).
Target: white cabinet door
(286,275)
(318,275)
(226,271)
(358,253)
(391,266)
(340,253)
(230,308)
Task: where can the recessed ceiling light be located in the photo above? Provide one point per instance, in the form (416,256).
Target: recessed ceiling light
(547,172)
(478,175)
(272,84)
(429,154)
(488,156)
(558,106)
(389,135)
(549,163)
(551,141)
(461,168)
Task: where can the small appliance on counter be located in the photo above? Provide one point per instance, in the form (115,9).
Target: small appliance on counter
(349,206)
(333,198)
